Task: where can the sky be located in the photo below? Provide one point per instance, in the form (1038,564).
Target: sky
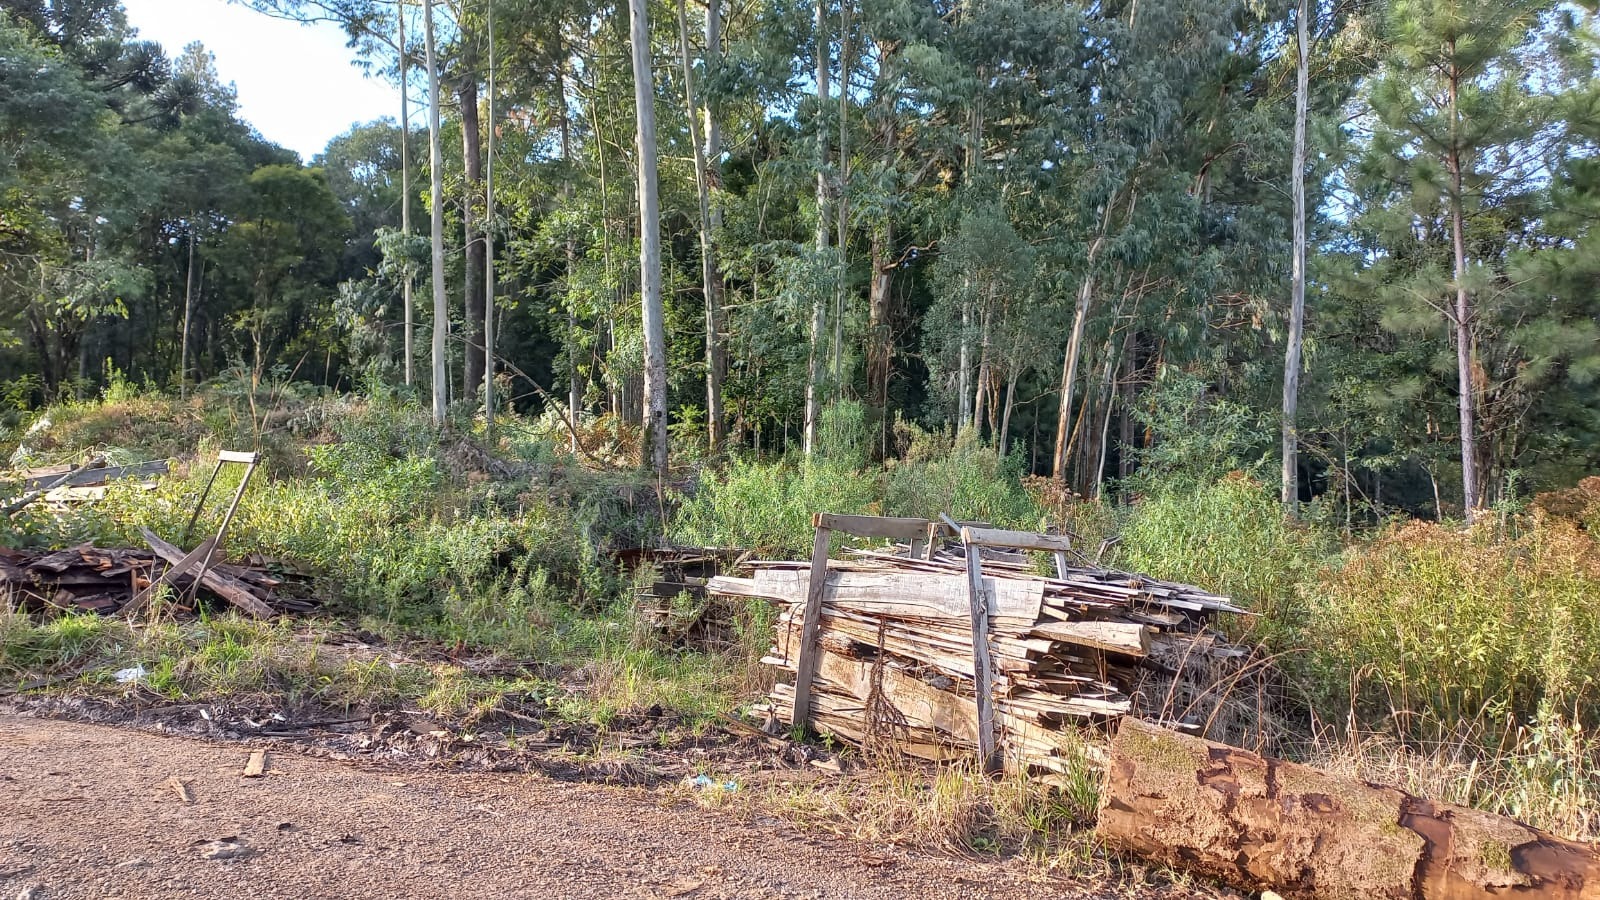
(296,83)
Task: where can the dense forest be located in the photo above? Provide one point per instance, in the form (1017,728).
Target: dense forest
(1359,234)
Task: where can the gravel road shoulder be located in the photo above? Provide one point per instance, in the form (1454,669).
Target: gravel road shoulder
(92,811)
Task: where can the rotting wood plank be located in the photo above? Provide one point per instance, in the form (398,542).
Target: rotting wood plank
(229,589)
(1254,821)
(256,766)
(1118,637)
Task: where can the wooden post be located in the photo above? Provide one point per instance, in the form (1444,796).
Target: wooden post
(806,665)
(981,664)
(1061,564)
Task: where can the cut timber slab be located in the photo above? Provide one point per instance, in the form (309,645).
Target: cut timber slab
(1257,822)
(1117,637)
(257,764)
(894,594)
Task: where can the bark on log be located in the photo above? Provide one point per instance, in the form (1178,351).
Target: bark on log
(1257,822)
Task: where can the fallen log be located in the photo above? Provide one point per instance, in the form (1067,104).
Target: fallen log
(1257,822)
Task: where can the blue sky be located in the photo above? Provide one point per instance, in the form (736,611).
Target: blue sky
(296,83)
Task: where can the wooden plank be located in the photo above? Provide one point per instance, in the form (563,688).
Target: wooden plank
(238,456)
(896,594)
(178,568)
(983,669)
(257,764)
(887,527)
(1018,540)
(229,589)
(806,665)
(46,478)
(1117,637)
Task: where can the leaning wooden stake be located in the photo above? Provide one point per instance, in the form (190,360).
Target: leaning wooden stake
(1257,822)
(982,666)
(811,623)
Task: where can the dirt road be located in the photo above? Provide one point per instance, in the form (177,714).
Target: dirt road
(90,811)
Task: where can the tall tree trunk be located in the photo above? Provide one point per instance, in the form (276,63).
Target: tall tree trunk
(1463,311)
(471,191)
(441,301)
(710,274)
(981,393)
(1013,373)
(1297,285)
(655,340)
(188,315)
(718,353)
(1069,366)
(488,248)
(880,348)
(841,202)
(973,156)
(574,378)
(819,308)
(964,364)
(405,189)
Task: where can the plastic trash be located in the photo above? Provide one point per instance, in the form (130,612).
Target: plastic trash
(131,674)
(707,783)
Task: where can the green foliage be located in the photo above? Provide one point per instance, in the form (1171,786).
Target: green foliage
(768,506)
(962,477)
(1445,626)
(1229,536)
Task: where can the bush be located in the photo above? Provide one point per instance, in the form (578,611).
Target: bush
(1228,536)
(767,507)
(962,477)
(1443,626)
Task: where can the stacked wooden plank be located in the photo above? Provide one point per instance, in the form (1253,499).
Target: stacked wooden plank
(102,580)
(895,658)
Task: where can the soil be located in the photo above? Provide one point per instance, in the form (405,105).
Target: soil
(94,811)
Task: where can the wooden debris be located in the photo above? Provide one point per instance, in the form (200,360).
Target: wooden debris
(224,586)
(922,652)
(1257,822)
(257,765)
(105,580)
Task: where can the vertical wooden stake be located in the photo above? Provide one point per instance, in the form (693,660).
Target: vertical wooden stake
(933,541)
(1061,564)
(982,668)
(806,665)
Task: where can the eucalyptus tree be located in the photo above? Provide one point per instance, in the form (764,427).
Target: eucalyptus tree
(654,450)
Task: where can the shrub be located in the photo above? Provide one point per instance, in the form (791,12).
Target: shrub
(767,506)
(1443,626)
(1229,536)
(962,477)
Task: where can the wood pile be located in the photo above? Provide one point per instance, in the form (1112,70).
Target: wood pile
(896,663)
(103,580)
(63,485)
(672,601)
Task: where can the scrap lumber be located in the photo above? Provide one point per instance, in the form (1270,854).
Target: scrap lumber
(106,581)
(224,586)
(1258,822)
(256,765)
(955,649)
